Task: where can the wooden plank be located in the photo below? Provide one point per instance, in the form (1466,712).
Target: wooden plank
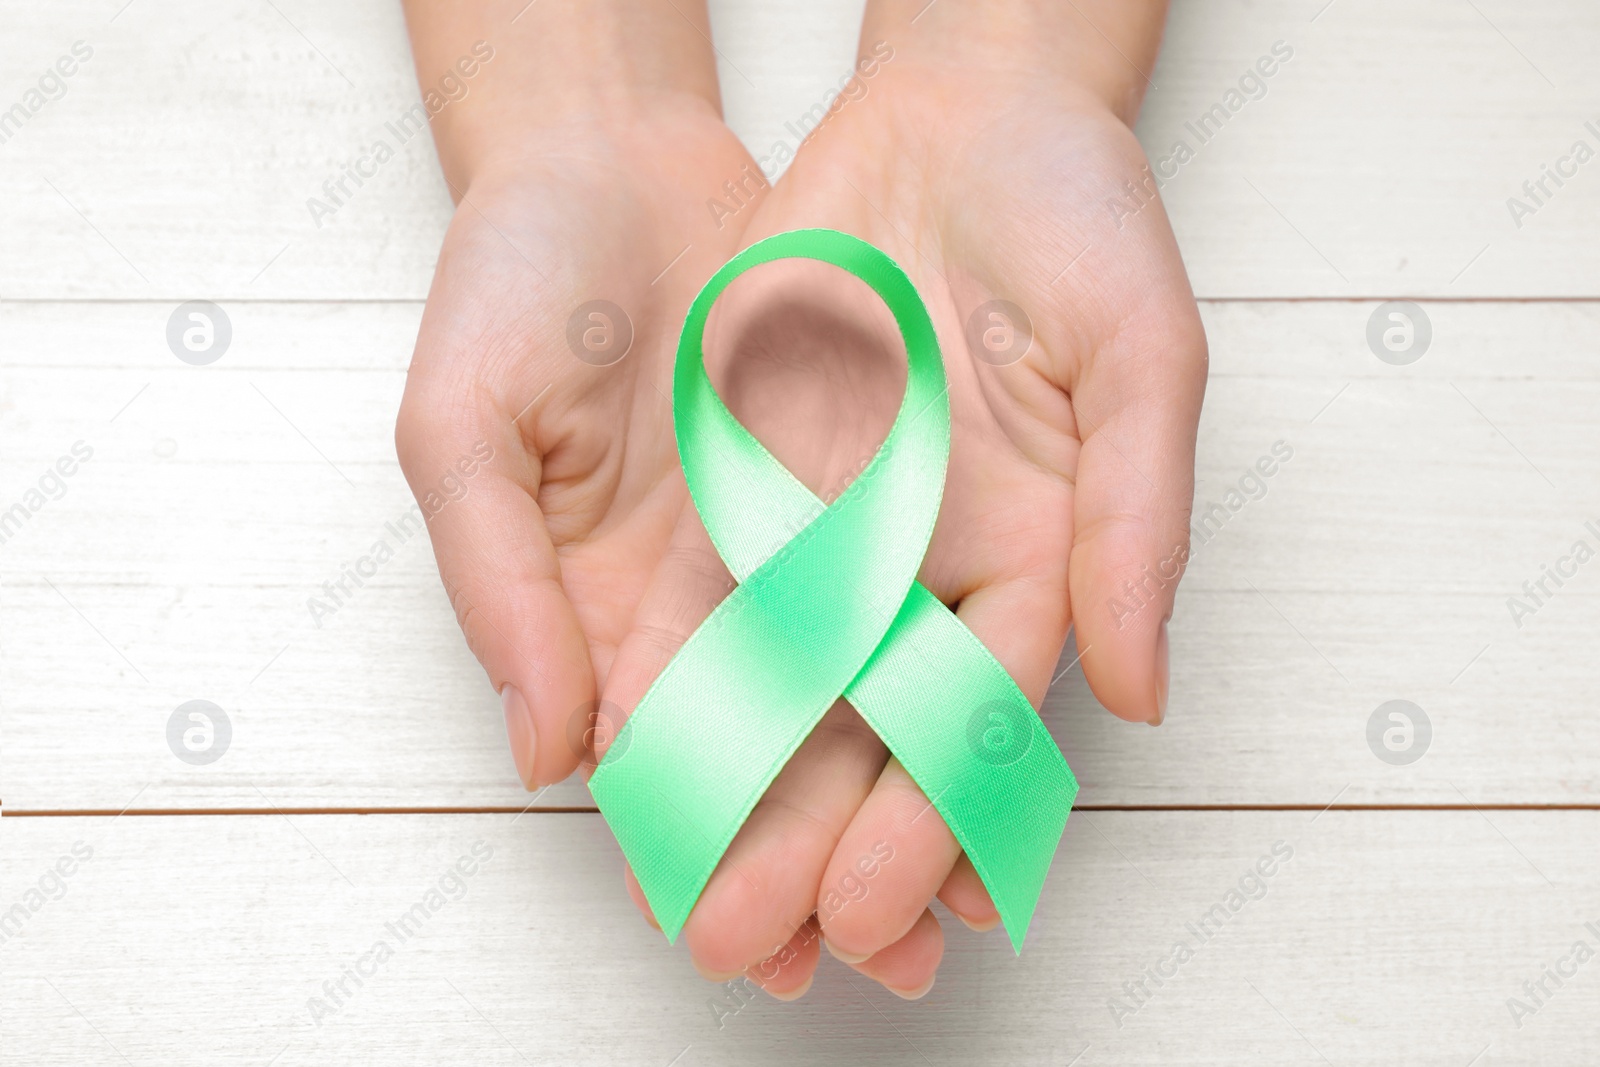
(306,397)
(1377,566)
(1379,159)
(1377,938)
(384,708)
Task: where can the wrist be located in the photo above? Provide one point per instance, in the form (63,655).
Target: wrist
(1099,52)
(502,140)
(552,68)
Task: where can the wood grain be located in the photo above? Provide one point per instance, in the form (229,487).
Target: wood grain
(1383,938)
(1377,161)
(1376,564)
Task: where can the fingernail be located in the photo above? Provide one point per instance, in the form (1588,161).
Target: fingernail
(842,956)
(1162,676)
(914,994)
(519,731)
(794,994)
(980,928)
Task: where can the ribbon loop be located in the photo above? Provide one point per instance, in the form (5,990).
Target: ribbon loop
(827,605)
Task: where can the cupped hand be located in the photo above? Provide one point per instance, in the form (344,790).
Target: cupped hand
(1069,487)
(538,420)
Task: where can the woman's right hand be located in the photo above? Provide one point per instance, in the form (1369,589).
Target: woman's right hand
(598,196)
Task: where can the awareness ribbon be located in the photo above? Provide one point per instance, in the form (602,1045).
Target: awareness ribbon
(827,604)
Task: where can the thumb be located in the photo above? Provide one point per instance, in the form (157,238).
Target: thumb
(1137,406)
(476,486)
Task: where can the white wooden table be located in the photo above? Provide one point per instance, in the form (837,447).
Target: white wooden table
(207,905)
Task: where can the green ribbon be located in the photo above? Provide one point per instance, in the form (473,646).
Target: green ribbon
(827,605)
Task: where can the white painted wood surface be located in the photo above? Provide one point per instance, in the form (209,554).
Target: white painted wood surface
(1376,566)
(1386,938)
(179,562)
(1390,142)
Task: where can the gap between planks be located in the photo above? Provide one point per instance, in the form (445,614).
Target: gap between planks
(74,813)
(384,300)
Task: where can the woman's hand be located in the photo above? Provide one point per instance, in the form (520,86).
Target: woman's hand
(581,175)
(986,172)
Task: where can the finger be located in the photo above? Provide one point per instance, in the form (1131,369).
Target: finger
(907,967)
(687,584)
(636,894)
(887,866)
(787,974)
(475,486)
(964,894)
(765,886)
(1023,623)
(1137,405)
(689,581)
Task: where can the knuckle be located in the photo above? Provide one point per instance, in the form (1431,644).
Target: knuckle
(466,613)
(658,643)
(417,427)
